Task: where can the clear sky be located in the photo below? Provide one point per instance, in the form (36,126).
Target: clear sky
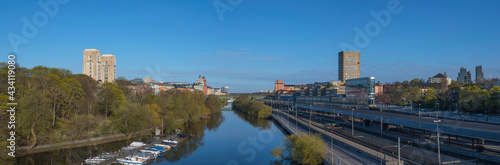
(256,42)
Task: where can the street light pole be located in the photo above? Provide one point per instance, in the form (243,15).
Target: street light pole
(295,118)
(439,145)
(437,114)
(310,115)
(352,122)
(419,110)
(384,154)
(399,151)
(381,125)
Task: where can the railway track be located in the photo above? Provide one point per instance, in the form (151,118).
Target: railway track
(404,153)
(346,154)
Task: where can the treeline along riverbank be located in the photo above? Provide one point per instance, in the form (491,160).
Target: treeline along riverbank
(251,108)
(56,106)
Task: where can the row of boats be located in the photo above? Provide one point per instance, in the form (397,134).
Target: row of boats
(143,156)
(146,154)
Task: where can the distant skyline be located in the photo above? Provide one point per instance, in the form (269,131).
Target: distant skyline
(259,42)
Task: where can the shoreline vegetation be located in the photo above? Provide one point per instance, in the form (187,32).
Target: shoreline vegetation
(301,149)
(77,143)
(251,108)
(56,106)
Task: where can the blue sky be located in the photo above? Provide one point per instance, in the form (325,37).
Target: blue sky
(258,41)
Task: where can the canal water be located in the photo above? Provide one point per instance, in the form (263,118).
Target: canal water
(225,138)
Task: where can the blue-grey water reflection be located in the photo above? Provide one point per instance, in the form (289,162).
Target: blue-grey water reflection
(227,138)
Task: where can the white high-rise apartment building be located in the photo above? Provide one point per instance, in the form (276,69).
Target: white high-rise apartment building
(101,68)
(108,62)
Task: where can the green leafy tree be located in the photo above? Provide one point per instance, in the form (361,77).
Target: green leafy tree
(494,101)
(251,108)
(34,116)
(110,98)
(473,99)
(133,117)
(430,98)
(79,125)
(213,103)
(188,106)
(303,149)
(74,95)
(89,87)
(412,94)
(414,82)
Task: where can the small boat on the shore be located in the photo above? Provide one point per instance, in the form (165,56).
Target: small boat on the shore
(94,160)
(170,144)
(108,155)
(161,149)
(137,144)
(133,146)
(142,156)
(170,141)
(128,161)
(165,146)
(128,148)
(153,151)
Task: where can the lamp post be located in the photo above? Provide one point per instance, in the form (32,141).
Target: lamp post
(419,110)
(384,154)
(399,151)
(310,115)
(352,122)
(381,125)
(295,118)
(439,145)
(437,115)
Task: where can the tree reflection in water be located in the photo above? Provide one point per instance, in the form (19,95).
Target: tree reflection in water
(75,155)
(190,145)
(262,124)
(79,154)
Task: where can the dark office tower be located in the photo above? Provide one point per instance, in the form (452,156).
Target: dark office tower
(479,74)
(349,62)
(462,75)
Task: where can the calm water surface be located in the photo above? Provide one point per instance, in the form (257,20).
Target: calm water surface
(227,138)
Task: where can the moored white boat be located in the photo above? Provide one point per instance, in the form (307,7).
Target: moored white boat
(165,146)
(141,156)
(128,161)
(170,141)
(137,144)
(151,150)
(94,160)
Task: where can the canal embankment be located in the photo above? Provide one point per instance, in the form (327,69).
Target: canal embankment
(77,143)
